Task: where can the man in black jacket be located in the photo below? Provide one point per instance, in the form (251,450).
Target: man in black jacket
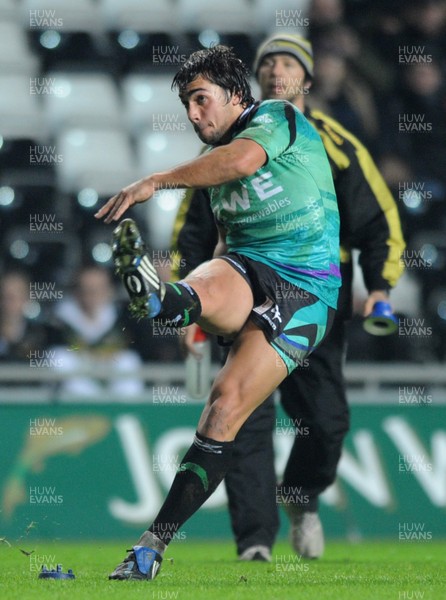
(313,396)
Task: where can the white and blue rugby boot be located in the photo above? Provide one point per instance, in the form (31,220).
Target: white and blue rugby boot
(140,563)
(143,561)
(132,263)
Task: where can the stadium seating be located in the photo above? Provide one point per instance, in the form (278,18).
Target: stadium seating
(47,255)
(81,99)
(153,16)
(145,96)
(100,159)
(20,110)
(230,16)
(15,56)
(8,10)
(63,15)
(159,150)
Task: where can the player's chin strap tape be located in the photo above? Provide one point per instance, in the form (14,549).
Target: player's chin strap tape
(246,116)
(241,122)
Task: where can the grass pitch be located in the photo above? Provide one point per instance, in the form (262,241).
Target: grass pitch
(195,570)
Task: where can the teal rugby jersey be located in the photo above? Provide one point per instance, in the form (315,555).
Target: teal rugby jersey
(285,215)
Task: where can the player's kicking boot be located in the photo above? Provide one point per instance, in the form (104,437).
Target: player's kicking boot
(139,276)
(143,561)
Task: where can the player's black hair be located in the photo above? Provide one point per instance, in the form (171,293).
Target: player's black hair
(219,65)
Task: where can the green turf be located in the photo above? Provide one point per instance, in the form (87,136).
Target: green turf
(192,570)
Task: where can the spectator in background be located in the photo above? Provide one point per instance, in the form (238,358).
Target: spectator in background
(414,119)
(325,13)
(342,94)
(425,24)
(389,31)
(19,335)
(95,333)
(414,164)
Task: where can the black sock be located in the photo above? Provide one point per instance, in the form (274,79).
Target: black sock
(201,470)
(181,305)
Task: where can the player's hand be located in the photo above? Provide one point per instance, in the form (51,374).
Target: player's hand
(375,296)
(140,191)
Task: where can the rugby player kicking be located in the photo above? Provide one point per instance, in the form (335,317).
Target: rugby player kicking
(266,166)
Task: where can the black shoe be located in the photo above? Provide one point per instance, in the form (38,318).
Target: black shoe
(141,563)
(145,288)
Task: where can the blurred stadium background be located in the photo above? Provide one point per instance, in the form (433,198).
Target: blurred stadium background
(86,108)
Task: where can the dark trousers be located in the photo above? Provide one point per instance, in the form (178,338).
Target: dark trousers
(314,399)
(251,484)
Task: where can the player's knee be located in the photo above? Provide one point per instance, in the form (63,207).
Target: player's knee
(229,402)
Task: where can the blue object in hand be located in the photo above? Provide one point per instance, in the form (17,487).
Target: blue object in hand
(381,320)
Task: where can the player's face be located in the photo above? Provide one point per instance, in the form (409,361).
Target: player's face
(282,77)
(209,109)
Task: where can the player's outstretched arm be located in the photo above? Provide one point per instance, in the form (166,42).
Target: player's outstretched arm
(140,191)
(240,158)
